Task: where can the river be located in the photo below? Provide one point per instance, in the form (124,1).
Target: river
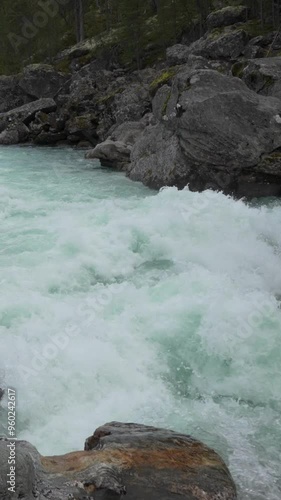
(120,303)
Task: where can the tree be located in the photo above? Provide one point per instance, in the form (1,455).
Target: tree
(79,20)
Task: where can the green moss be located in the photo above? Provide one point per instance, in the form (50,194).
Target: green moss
(216,33)
(255,28)
(238,68)
(165,77)
(82,122)
(222,70)
(268,81)
(273,157)
(164,108)
(37,66)
(63,66)
(105,99)
(86,59)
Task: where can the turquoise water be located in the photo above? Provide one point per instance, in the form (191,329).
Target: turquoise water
(119,303)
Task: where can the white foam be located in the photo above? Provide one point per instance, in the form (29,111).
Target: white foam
(172,300)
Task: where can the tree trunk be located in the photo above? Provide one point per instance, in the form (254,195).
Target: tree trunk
(79,20)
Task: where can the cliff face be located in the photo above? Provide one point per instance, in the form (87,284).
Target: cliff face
(138,461)
(209,116)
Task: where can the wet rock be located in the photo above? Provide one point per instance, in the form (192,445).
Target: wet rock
(83,127)
(227,16)
(222,132)
(111,154)
(14,134)
(138,461)
(49,138)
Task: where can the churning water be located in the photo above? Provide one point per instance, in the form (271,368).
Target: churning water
(119,303)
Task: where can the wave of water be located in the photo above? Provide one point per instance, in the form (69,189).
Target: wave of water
(118,303)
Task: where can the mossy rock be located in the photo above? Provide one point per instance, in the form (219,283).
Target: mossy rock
(238,68)
(162,79)
(273,157)
(63,66)
(268,81)
(109,97)
(164,108)
(255,28)
(216,33)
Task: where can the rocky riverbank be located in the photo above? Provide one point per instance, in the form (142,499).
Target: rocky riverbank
(208,116)
(138,461)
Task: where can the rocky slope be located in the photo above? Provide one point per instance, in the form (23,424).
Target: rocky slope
(138,461)
(209,116)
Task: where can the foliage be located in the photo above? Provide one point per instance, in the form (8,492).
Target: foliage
(36,30)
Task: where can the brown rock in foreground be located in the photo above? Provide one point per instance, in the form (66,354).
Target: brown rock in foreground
(141,462)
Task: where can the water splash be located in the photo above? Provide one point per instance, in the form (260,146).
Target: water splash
(120,303)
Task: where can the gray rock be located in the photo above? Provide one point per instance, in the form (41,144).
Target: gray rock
(11,95)
(127,132)
(14,124)
(49,138)
(41,80)
(160,101)
(252,51)
(111,154)
(27,112)
(14,134)
(83,127)
(227,16)
(9,137)
(222,131)
(263,76)
(27,467)
(177,54)
(227,45)
(123,105)
(132,103)
(138,461)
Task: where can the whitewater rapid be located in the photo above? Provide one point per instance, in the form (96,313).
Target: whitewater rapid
(120,303)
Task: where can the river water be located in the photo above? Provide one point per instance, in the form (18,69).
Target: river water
(120,303)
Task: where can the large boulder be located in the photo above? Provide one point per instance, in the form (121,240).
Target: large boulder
(83,127)
(213,135)
(227,16)
(14,124)
(114,154)
(27,112)
(14,134)
(127,132)
(228,44)
(138,461)
(11,95)
(41,80)
(129,102)
(177,54)
(263,75)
